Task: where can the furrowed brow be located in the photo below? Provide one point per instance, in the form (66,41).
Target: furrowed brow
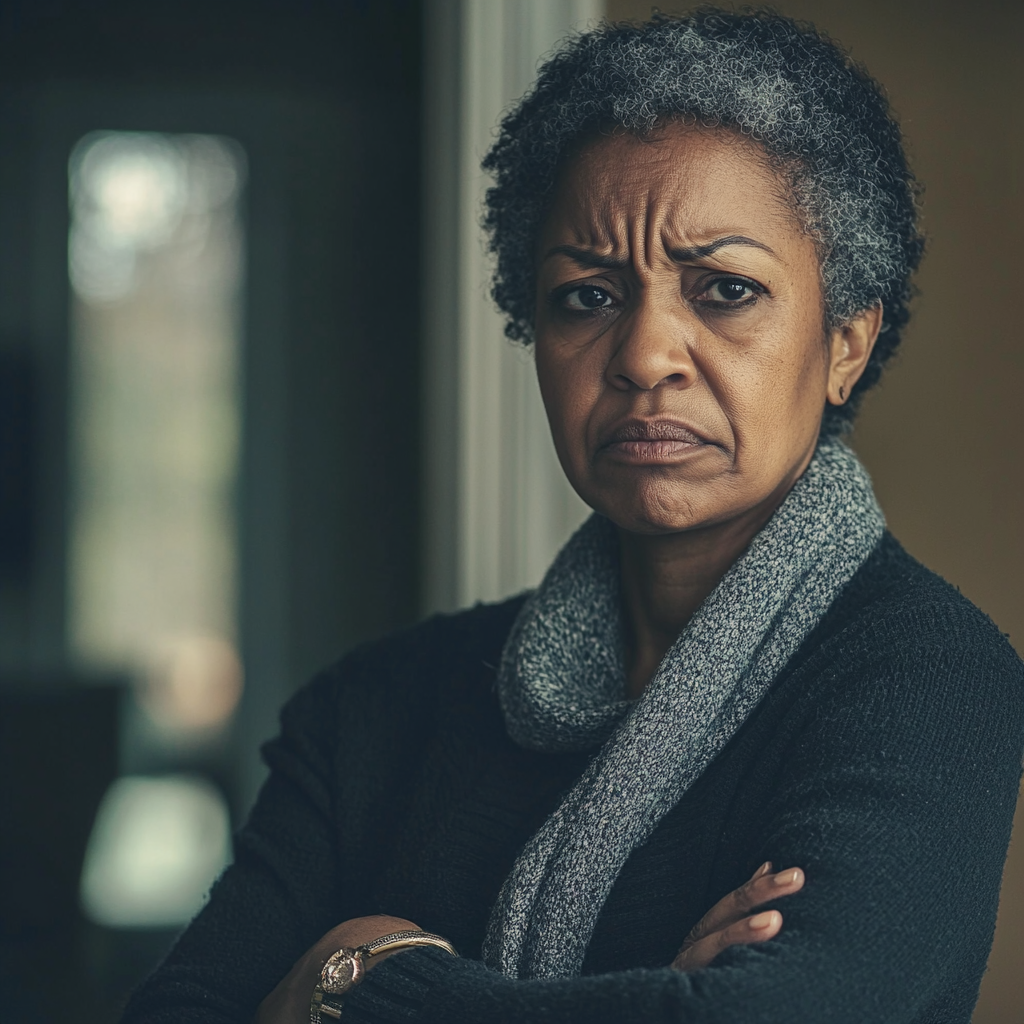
(588,258)
(697,252)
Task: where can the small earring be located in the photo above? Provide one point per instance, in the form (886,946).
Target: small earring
(842,392)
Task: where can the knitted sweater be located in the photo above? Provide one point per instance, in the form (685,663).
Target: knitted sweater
(884,761)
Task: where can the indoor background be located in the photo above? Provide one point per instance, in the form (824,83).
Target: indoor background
(255,406)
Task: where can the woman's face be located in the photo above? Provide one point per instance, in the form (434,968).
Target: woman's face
(679,331)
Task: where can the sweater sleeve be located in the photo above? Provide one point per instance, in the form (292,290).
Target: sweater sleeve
(301,863)
(897,800)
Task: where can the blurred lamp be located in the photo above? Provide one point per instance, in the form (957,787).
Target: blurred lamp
(157,846)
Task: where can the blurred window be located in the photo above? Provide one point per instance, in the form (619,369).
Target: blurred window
(155,260)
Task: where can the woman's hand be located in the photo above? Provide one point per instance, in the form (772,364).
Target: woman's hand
(289,1002)
(730,921)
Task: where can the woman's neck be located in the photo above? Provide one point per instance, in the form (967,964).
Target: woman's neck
(666,578)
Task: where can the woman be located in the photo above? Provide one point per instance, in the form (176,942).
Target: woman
(706,226)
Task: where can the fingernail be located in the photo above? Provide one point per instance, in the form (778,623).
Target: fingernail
(787,877)
(762,870)
(761,921)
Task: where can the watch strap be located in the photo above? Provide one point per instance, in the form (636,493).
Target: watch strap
(321,1006)
(405,940)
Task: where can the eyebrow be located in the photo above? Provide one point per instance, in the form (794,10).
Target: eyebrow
(588,258)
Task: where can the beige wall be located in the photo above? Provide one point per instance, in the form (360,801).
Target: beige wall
(944,436)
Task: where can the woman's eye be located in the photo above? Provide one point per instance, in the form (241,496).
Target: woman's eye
(587,297)
(730,291)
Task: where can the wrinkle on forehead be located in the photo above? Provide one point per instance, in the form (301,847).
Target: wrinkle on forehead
(643,197)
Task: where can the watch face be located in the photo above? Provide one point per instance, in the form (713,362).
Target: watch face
(341,972)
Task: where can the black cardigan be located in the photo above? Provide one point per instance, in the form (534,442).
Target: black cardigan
(885,761)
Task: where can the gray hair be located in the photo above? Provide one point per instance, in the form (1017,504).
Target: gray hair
(823,121)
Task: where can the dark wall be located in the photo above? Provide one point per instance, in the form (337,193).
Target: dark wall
(324,97)
(332,383)
(354,46)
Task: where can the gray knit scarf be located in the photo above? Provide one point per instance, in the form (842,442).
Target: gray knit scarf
(562,684)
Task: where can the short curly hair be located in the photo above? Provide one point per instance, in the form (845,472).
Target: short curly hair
(820,117)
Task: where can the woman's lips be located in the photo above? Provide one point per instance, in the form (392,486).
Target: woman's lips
(658,441)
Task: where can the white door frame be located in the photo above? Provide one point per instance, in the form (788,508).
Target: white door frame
(497,506)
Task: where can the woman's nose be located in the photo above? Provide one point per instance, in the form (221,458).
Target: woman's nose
(653,349)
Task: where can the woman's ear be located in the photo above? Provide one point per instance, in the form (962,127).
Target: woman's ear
(850,347)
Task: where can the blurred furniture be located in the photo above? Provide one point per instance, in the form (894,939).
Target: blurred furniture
(58,755)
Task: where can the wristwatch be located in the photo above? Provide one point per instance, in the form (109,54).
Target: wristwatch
(345,969)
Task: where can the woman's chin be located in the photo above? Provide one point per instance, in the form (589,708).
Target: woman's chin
(654,510)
